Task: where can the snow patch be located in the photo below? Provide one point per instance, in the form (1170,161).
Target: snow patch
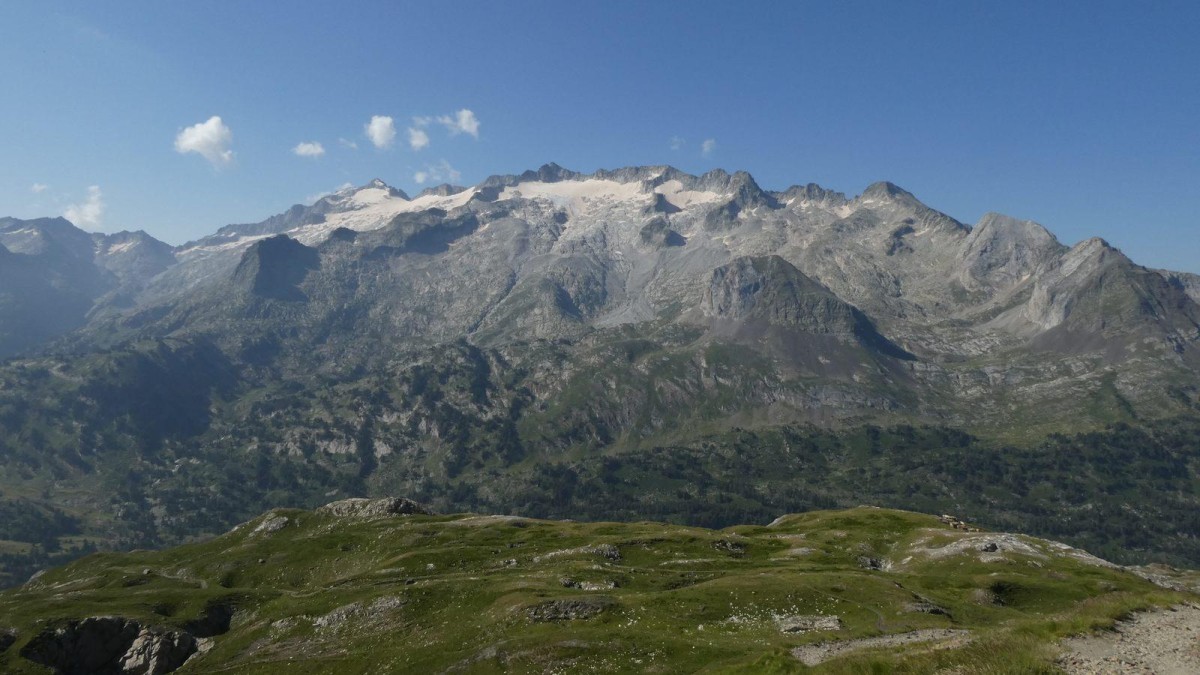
(577,195)
(674,192)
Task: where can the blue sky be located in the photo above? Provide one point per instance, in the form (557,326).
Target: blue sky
(1084,116)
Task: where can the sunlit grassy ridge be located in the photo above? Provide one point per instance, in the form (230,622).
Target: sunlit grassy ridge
(465,593)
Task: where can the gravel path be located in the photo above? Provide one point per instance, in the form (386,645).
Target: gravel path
(811,655)
(1162,642)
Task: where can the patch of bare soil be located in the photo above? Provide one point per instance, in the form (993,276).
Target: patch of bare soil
(1162,642)
(811,655)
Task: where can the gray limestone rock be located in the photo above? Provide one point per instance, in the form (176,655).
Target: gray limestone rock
(373,508)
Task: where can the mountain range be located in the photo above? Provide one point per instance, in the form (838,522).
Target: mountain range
(439,345)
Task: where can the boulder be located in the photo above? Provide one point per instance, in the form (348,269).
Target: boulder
(154,653)
(569,609)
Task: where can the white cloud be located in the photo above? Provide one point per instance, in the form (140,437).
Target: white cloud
(90,213)
(677,143)
(309,149)
(381,130)
(38,187)
(347,143)
(462,122)
(417,138)
(320,195)
(210,140)
(441,172)
(708,146)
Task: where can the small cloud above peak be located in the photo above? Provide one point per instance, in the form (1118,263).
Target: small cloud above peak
(309,149)
(347,143)
(381,130)
(344,187)
(462,122)
(417,138)
(707,147)
(210,139)
(90,213)
(441,172)
(677,143)
(38,188)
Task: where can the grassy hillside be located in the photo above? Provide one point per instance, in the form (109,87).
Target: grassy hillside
(354,587)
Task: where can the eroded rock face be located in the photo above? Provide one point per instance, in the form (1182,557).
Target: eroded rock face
(571,609)
(110,645)
(153,652)
(7,638)
(271,525)
(374,508)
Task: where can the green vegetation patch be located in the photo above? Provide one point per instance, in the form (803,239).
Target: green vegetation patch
(469,593)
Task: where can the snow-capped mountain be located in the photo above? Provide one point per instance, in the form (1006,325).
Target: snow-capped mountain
(876,292)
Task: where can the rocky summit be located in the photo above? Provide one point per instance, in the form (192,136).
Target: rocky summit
(621,344)
(385,586)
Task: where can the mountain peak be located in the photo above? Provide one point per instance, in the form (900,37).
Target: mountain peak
(379,184)
(443,190)
(552,173)
(999,224)
(886,190)
(1097,249)
(812,193)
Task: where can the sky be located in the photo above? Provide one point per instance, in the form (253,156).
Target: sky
(180,117)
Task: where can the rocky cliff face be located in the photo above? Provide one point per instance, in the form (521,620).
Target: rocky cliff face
(110,645)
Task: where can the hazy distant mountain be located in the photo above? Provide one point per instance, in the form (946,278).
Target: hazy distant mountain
(52,273)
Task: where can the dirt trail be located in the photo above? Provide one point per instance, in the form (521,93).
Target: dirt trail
(1162,642)
(811,655)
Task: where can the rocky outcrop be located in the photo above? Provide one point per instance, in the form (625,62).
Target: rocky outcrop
(107,644)
(766,295)
(359,507)
(1094,298)
(157,652)
(657,233)
(7,638)
(569,609)
(1188,283)
(771,289)
(808,623)
(271,525)
(274,267)
(1001,252)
